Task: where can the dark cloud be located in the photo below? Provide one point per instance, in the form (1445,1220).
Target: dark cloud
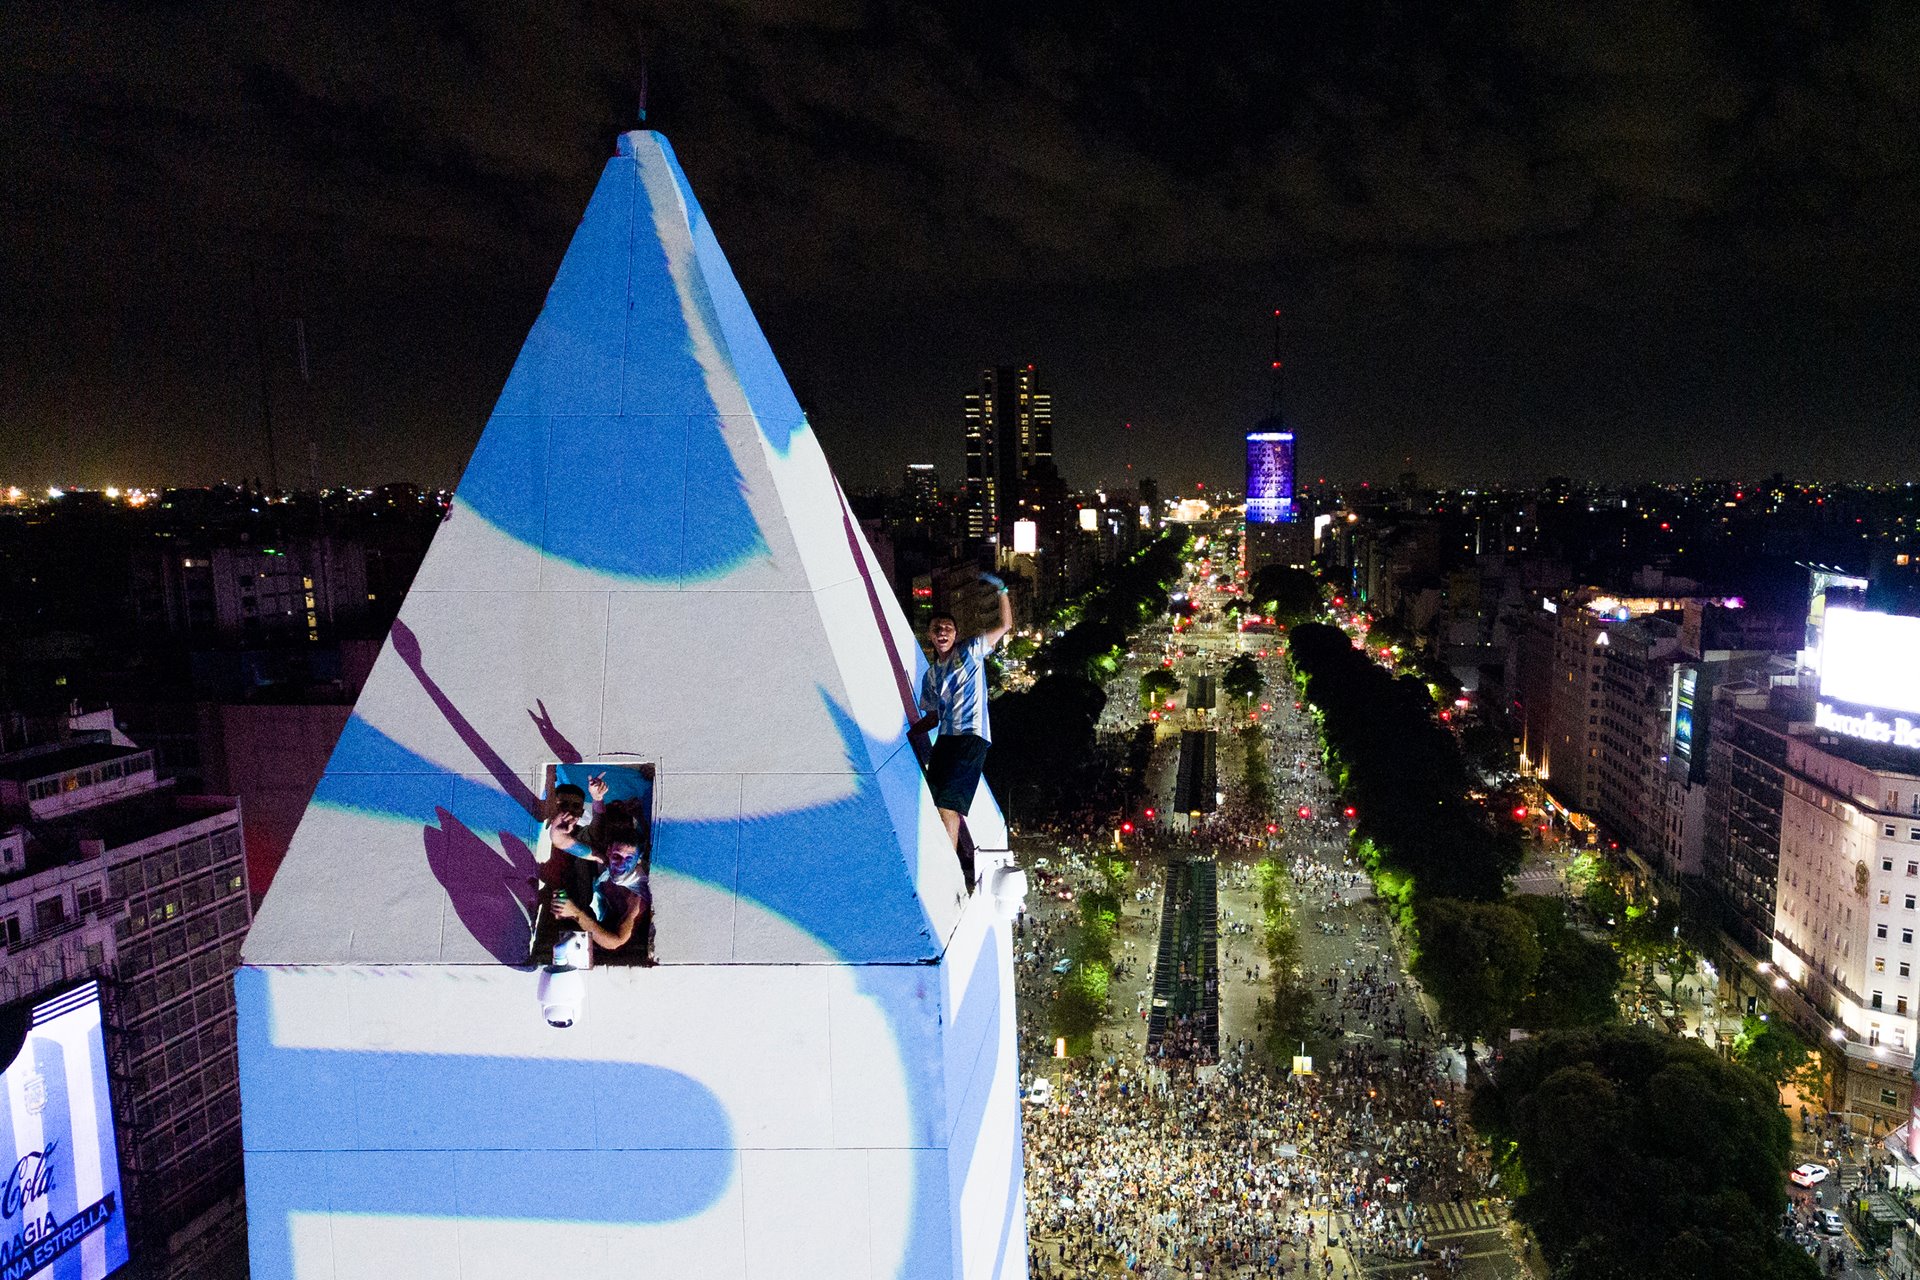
(1510,238)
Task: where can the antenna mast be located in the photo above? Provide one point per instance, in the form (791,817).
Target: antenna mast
(1279,378)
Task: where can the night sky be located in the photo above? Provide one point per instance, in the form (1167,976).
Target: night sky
(1611,240)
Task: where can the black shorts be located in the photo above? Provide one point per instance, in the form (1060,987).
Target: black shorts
(953,770)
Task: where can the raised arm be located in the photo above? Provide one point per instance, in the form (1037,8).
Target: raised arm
(998,631)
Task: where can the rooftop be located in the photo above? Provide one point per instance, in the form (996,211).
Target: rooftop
(57,842)
(40,762)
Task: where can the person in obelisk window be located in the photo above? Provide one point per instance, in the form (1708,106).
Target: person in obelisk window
(616,916)
(955,690)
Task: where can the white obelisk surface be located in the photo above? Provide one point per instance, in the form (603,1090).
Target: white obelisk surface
(648,561)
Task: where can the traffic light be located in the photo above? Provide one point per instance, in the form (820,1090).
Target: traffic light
(1305,813)
(1349,813)
(1149,815)
(1520,812)
(1126,828)
(1272,828)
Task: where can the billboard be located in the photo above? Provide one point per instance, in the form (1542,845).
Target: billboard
(1870,677)
(63,1216)
(1686,682)
(1270,478)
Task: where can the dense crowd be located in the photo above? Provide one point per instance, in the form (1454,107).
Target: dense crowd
(1168,1168)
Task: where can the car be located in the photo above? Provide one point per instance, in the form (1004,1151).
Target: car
(1065,963)
(1808,1175)
(1830,1223)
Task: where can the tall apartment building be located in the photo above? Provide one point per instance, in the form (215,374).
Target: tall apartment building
(107,872)
(1636,685)
(1848,910)
(298,588)
(920,495)
(1009,424)
(1569,756)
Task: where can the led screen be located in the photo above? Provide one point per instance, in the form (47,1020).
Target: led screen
(63,1216)
(1270,478)
(1871,660)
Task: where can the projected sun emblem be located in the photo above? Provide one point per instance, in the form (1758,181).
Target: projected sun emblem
(33,1092)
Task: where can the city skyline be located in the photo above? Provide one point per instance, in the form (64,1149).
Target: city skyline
(1508,243)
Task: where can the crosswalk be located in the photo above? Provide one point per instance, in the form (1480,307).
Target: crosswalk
(1538,880)
(1447,1218)
(1439,1223)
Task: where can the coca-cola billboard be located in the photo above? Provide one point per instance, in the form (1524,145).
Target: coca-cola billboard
(60,1209)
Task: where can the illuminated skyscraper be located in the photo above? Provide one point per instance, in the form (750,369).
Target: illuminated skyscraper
(1009,433)
(920,494)
(1275,532)
(1270,492)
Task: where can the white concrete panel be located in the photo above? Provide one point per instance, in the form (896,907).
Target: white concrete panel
(370,1246)
(356,883)
(469,549)
(836,870)
(811,497)
(985,823)
(908,1214)
(757,1038)
(781,566)
(806,1214)
(888,1090)
(733,682)
(873,684)
(696,867)
(487,662)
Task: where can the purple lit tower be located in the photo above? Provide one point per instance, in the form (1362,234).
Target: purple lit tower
(650,569)
(1275,532)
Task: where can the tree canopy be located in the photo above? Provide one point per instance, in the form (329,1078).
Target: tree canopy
(1640,1154)
(1404,773)
(1478,960)
(1242,678)
(1291,595)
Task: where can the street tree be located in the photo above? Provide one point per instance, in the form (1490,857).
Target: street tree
(1157,685)
(1242,678)
(1291,596)
(1643,1154)
(1578,983)
(1479,960)
(1771,1049)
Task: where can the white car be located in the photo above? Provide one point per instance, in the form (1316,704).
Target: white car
(1808,1175)
(1830,1223)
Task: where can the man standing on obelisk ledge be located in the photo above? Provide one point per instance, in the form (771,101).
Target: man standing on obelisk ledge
(955,690)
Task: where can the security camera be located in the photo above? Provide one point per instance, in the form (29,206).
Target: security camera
(563,994)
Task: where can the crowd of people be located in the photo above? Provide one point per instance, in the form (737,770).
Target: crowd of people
(1171,1167)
